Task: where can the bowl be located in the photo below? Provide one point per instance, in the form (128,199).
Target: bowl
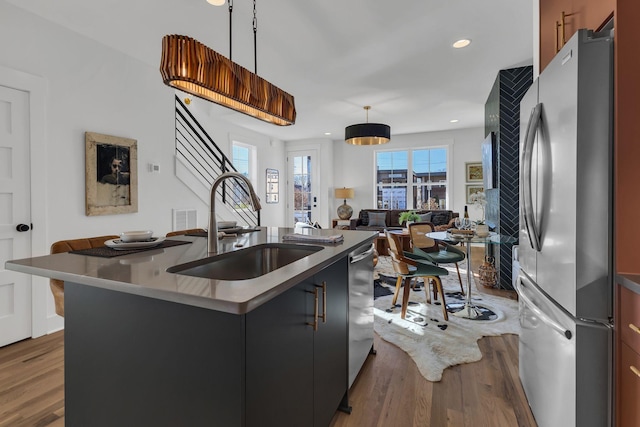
(226,224)
(136,236)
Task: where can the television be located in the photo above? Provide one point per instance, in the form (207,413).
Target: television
(489,161)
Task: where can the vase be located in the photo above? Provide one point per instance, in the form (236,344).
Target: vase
(482,230)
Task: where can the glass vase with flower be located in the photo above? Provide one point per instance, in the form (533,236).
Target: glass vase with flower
(479,199)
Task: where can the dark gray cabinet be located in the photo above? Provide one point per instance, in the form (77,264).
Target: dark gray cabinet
(297,374)
(132,360)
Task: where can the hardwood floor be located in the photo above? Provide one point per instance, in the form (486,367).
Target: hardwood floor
(389,392)
(32,382)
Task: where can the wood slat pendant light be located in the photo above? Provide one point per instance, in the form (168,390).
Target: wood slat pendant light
(190,66)
(367,133)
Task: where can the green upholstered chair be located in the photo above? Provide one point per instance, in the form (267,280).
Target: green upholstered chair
(438,253)
(408,269)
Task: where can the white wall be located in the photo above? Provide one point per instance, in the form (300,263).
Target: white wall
(270,155)
(91,87)
(354,166)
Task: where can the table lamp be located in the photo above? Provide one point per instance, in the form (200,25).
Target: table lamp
(344,211)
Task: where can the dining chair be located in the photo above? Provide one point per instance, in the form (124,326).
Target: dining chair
(408,269)
(57,286)
(185,232)
(437,252)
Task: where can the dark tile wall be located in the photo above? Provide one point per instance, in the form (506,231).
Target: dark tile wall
(502,116)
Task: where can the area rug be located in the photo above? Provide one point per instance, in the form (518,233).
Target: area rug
(433,343)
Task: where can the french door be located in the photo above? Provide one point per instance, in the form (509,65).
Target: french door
(302,191)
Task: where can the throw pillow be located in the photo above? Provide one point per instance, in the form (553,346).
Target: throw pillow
(376,219)
(441,218)
(364,216)
(425,217)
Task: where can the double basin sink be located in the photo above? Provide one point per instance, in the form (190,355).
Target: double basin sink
(248,263)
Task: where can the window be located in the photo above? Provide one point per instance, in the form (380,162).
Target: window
(243,159)
(302,178)
(412,179)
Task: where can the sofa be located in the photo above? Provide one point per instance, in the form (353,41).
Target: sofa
(381,219)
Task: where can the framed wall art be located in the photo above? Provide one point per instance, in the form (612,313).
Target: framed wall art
(273,182)
(111,174)
(473,189)
(474,171)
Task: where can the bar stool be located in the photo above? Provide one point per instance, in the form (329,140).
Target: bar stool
(57,286)
(407,269)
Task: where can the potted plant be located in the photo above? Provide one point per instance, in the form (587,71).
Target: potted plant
(409,217)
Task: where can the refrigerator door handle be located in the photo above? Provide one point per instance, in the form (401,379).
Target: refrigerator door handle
(527,196)
(541,315)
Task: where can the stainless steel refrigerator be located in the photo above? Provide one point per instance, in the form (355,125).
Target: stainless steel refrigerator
(565,283)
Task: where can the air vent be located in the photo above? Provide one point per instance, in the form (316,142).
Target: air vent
(184,219)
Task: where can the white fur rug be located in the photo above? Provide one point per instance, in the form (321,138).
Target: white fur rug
(435,344)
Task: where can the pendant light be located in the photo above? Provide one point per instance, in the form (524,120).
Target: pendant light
(192,67)
(367,133)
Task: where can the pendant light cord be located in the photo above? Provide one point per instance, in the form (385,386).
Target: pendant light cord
(230,25)
(255,39)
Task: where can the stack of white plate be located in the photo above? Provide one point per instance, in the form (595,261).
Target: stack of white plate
(135,240)
(226,224)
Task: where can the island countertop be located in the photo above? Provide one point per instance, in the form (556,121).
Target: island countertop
(144,273)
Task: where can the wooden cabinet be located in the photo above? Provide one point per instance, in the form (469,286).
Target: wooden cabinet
(297,374)
(628,357)
(590,14)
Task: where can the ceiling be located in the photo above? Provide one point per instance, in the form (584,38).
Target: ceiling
(333,56)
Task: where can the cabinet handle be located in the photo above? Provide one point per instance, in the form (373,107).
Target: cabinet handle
(314,324)
(635,370)
(324,301)
(634,328)
(562,24)
(556,37)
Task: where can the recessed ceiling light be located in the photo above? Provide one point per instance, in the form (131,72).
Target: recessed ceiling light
(327,133)
(216,2)
(454,121)
(462,43)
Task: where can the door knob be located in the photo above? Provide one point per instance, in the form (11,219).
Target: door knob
(23,227)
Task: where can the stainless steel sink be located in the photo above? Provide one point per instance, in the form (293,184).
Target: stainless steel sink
(246,263)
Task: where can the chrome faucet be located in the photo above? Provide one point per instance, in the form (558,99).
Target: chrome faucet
(212,234)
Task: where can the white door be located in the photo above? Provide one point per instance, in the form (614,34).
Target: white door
(303,183)
(15,209)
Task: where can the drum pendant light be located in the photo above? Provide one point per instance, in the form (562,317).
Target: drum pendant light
(367,133)
(192,67)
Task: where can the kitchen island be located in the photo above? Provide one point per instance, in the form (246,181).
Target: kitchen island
(148,347)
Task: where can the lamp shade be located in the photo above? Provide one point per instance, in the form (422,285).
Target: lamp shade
(192,67)
(367,134)
(344,193)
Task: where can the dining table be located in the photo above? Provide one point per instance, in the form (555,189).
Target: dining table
(469,309)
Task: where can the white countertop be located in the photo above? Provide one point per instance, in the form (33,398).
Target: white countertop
(144,273)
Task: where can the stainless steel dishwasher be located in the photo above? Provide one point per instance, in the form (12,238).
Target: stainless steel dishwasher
(360,308)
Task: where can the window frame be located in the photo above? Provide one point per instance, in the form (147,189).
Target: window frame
(252,164)
(410,185)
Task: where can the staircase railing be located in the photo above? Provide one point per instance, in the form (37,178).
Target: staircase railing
(197,149)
